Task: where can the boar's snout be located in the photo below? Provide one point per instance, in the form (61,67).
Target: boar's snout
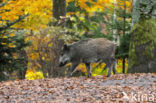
(60,64)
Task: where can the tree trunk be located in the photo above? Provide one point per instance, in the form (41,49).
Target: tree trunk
(123,65)
(142,54)
(59,9)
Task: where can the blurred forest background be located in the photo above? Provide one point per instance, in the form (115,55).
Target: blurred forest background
(32,33)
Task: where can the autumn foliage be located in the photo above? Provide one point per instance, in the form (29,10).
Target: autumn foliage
(37,17)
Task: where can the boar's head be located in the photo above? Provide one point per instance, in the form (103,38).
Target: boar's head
(65,56)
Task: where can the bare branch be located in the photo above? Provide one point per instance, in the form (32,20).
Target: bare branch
(4,3)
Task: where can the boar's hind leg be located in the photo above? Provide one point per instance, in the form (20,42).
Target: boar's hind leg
(109,64)
(88,69)
(72,68)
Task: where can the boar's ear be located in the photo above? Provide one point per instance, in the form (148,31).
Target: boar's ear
(66,47)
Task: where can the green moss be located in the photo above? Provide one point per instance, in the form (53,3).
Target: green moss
(143,34)
(132,55)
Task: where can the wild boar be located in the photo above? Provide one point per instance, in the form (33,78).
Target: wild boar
(88,51)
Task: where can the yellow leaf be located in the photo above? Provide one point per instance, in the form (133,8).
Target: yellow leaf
(12,34)
(15,55)
(11,45)
(5,36)
(3,43)
(50,45)
(43,58)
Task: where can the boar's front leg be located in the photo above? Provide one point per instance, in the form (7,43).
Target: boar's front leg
(72,68)
(88,69)
(114,66)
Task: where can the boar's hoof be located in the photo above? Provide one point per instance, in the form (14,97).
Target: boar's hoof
(89,75)
(69,75)
(108,75)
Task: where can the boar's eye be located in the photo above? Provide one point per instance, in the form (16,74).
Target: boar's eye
(66,47)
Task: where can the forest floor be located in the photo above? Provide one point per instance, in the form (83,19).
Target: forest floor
(120,88)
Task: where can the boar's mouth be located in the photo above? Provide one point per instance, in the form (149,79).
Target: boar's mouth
(62,64)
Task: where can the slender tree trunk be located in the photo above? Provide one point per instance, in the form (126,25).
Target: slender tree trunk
(124,19)
(59,9)
(114,31)
(21,73)
(123,65)
(124,33)
(142,54)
